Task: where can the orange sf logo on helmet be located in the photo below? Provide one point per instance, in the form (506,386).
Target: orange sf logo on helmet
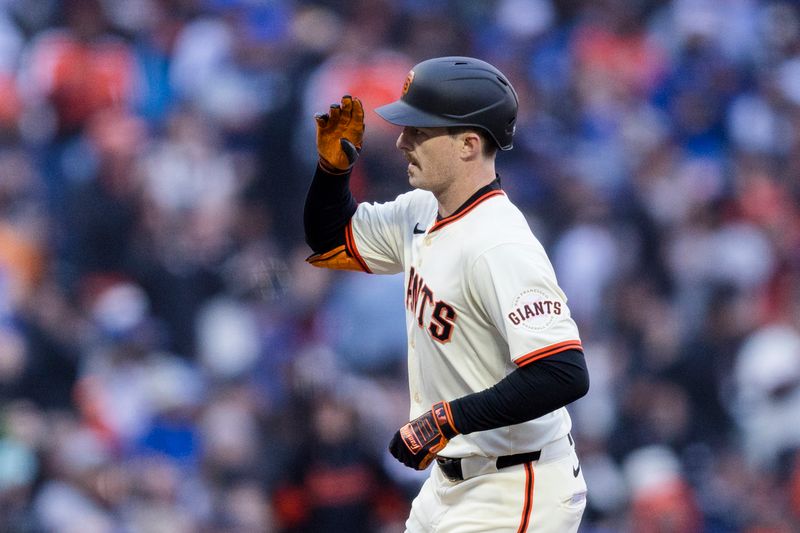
(407,83)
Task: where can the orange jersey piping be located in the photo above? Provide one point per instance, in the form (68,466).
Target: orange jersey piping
(350,244)
(452,218)
(548,351)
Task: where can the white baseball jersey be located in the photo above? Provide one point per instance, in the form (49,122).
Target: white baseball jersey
(481,300)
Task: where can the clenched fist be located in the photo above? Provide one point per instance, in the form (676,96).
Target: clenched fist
(417,443)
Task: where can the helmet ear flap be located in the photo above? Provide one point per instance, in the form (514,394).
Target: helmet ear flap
(511,127)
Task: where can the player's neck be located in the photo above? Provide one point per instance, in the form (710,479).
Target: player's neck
(453,197)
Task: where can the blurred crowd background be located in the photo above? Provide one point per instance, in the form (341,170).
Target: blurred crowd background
(170,363)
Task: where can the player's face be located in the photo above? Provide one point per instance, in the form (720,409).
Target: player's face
(431,155)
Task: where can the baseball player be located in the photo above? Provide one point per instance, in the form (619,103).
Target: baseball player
(493,355)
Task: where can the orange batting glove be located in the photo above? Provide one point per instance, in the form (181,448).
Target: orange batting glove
(340,134)
(417,443)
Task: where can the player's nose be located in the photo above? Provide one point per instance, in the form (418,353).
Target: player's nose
(402,141)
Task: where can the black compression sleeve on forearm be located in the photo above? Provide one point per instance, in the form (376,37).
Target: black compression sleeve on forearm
(329,206)
(526,393)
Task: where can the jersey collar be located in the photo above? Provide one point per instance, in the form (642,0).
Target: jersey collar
(484,193)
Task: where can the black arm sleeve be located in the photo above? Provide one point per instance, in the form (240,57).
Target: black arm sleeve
(329,207)
(526,393)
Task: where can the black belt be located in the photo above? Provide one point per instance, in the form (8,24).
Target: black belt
(451,467)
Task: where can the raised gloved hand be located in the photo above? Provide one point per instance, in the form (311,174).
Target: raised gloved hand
(417,443)
(340,134)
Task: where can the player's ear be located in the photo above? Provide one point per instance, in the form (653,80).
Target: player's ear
(471,145)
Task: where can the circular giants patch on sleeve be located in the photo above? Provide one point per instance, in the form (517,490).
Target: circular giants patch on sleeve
(535,309)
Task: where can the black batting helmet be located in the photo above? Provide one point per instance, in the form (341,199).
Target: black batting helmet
(456,91)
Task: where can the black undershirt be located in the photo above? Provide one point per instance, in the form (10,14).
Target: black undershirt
(526,393)
(493,186)
(329,207)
